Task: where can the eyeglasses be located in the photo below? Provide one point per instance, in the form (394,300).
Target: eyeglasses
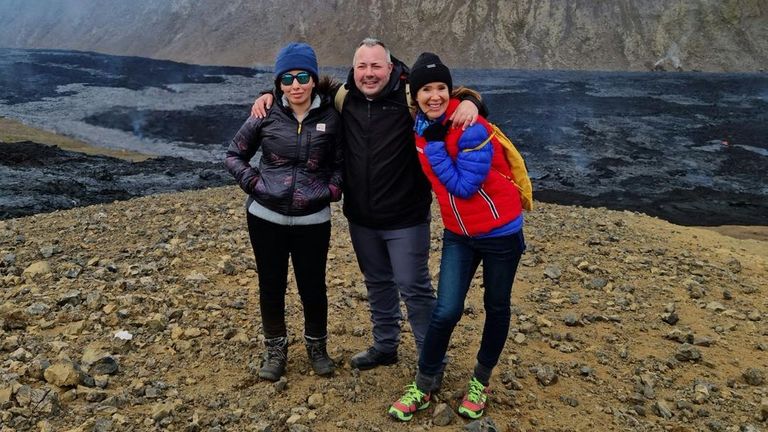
(287,79)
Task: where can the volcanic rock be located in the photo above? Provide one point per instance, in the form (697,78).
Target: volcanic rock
(443,415)
(687,352)
(546,375)
(63,373)
(485,424)
(754,376)
(36,269)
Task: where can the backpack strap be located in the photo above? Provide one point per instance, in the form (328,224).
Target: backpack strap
(482,144)
(341,96)
(408,100)
(343,91)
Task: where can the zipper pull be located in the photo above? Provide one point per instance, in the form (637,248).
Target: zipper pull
(299,131)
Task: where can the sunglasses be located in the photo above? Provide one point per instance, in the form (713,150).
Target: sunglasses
(302,77)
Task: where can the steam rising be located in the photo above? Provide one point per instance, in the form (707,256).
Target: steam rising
(672,56)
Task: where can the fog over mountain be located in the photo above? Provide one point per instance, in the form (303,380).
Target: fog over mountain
(709,35)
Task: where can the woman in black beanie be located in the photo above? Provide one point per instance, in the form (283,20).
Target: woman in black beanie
(289,193)
(482,213)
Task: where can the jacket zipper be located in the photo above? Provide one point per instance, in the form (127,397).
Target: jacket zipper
(368,163)
(295,166)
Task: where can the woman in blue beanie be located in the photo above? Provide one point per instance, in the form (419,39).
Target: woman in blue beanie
(288,204)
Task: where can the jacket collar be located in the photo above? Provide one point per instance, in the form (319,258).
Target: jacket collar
(315,102)
(422,122)
(318,101)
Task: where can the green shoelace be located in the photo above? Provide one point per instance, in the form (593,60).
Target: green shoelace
(475,393)
(412,394)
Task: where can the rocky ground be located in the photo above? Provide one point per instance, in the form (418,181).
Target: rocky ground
(142,315)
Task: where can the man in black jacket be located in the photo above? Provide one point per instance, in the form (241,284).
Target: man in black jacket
(386,198)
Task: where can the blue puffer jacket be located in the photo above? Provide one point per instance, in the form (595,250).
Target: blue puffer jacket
(300,171)
(469,175)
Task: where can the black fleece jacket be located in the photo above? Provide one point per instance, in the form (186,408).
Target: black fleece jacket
(384,185)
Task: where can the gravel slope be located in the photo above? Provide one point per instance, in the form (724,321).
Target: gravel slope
(621,322)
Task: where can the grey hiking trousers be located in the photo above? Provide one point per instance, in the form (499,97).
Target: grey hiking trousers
(394,264)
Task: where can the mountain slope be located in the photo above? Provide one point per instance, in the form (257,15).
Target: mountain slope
(729,35)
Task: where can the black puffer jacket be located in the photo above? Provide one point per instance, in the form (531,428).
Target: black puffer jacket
(300,171)
(385,187)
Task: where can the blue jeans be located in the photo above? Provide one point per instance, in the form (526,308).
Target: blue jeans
(461,257)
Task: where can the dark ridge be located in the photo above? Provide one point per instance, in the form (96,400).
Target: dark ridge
(686,147)
(36,178)
(695,207)
(37,73)
(203,125)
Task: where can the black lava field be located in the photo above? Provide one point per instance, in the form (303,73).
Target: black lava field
(687,147)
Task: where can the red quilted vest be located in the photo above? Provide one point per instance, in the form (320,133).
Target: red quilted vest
(495,204)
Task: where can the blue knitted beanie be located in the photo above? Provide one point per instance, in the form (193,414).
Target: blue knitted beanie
(296,56)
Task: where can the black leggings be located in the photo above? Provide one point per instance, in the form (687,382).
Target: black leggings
(307,246)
